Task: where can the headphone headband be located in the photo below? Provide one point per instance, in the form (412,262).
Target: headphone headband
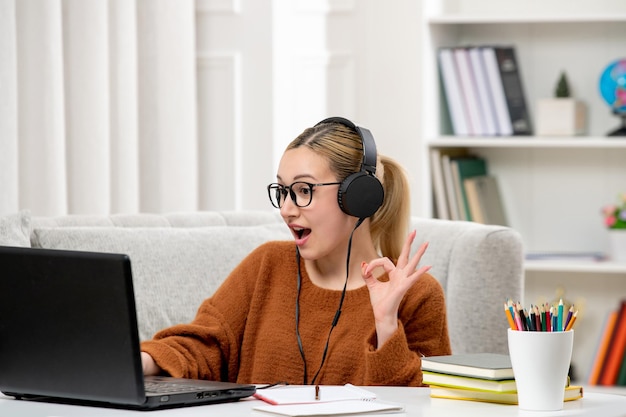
(367,140)
(361,193)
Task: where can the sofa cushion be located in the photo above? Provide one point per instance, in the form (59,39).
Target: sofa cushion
(174,269)
(15,229)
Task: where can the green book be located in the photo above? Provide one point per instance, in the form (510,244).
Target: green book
(463,168)
(476,365)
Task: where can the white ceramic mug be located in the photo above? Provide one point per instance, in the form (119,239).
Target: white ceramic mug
(540,362)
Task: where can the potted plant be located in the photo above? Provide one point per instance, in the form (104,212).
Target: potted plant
(615,220)
(561,115)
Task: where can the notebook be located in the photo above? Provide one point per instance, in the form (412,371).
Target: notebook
(68,333)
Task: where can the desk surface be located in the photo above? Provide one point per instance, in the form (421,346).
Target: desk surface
(416,400)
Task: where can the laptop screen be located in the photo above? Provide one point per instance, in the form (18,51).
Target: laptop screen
(68,326)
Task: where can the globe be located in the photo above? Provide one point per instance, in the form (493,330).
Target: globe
(613,91)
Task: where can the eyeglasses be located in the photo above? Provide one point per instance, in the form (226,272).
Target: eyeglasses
(301,193)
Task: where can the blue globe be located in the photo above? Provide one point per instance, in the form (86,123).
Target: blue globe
(613,85)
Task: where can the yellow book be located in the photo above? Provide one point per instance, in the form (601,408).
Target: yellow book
(572,392)
(463,382)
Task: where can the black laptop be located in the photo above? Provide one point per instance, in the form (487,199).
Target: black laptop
(68,333)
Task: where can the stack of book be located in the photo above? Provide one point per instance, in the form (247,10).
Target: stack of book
(483,91)
(463,188)
(486,377)
(609,364)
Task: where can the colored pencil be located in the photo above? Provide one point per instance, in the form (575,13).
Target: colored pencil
(510,319)
(569,316)
(571,322)
(537,319)
(518,321)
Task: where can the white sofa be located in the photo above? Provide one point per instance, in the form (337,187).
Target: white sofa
(179,259)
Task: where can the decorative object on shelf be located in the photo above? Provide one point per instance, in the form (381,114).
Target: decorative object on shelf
(561,115)
(615,220)
(617,242)
(613,91)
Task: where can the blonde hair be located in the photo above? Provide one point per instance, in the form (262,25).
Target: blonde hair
(343,149)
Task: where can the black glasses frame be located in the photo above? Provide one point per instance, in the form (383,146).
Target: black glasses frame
(288,189)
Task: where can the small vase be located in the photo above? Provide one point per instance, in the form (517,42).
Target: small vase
(617,240)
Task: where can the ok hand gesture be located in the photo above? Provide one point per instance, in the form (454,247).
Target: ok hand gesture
(386,296)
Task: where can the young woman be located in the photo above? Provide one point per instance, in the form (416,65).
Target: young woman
(344,302)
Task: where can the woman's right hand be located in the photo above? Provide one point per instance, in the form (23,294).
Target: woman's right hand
(148,365)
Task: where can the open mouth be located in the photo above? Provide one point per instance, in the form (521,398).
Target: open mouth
(301,232)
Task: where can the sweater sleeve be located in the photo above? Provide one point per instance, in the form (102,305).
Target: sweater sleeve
(209,346)
(422,331)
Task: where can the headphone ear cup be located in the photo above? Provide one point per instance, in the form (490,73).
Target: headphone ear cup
(360,195)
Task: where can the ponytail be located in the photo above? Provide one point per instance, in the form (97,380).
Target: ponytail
(390,223)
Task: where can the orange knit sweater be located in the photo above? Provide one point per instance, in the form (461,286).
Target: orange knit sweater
(246,331)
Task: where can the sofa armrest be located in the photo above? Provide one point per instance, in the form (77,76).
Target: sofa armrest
(479,267)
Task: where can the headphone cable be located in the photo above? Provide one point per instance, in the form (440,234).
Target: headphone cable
(337,313)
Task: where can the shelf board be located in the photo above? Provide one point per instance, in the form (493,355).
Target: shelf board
(602,267)
(461,19)
(586,142)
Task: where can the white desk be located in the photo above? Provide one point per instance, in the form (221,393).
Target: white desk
(416,400)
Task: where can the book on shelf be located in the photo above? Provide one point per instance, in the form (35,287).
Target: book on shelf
(454,203)
(453,92)
(609,360)
(476,365)
(483,89)
(496,91)
(485,99)
(510,76)
(443,204)
(458,381)
(602,347)
(463,168)
(572,392)
(484,200)
(469,87)
(617,347)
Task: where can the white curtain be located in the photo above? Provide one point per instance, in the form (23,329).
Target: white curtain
(98,108)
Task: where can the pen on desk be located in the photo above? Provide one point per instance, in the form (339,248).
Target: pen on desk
(317,393)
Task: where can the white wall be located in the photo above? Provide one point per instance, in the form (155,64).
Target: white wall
(119,108)
(357,59)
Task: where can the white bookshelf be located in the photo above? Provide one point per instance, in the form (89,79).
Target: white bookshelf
(552,188)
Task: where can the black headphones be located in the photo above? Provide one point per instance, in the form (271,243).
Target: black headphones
(361,193)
